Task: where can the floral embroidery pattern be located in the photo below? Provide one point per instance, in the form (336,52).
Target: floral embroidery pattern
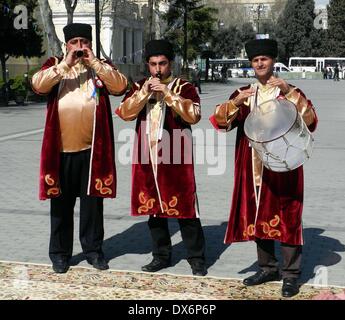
(103,186)
(54,189)
(146,204)
(170,207)
(268,228)
(250,231)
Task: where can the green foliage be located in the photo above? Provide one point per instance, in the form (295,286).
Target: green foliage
(19,42)
(336,27)
(200,26)
(19,86)
(295,28)
(268,28)
(201,29)
(247,32)
(229,42)
(19,33)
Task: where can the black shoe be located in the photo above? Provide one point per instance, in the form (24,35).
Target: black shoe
(261,277)
(61,265)
(290,287)
(199,269)
(98,263)
(156,265)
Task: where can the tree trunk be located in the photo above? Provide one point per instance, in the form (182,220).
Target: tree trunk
(4,78)
(70,7)
(47,19)
(104,54)
(185,38)
(150,31)
(111,6)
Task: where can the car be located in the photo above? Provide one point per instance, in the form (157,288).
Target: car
(280,67)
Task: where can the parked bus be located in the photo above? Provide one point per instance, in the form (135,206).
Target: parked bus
(300,64)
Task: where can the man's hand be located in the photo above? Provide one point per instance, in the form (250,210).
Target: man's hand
(71,58)
(155,85)
(243,96)
(280,83)
(88,56)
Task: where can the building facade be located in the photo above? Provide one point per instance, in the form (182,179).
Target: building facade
(238,12)
(122,30)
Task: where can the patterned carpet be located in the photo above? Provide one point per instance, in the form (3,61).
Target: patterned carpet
(26,281)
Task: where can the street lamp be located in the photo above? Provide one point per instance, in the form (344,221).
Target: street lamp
(185,38)
(259,9)
(97,24)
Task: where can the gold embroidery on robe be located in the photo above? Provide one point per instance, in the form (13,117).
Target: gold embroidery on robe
(107,182)
(54,188)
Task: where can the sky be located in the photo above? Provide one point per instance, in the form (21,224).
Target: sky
(323,2)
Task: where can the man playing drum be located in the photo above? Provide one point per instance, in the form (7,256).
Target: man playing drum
(266,205)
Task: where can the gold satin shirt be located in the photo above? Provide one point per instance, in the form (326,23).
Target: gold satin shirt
(77,103)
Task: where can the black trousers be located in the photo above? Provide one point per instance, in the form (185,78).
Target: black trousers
(291,254)
(74,173)
(192,236)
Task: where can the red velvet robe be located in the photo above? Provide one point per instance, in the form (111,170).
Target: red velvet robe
(279,212)
(176,182)
(102,179)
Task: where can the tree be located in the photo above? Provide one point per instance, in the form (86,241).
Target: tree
(201,28)
(336,27)
(19,34)
(247,32)
(111,6)
(268,28)
(227,43)
(47,18)
(321,43)
(294,29)
(230,42)
(70,6)
(198,28)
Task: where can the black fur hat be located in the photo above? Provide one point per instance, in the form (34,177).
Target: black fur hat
(159,47)
(261,47)
(75,30)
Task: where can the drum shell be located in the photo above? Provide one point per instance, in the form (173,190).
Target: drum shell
(288,151)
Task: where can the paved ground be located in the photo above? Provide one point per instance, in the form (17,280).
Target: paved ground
(24,227)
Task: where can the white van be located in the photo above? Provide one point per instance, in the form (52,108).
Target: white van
(280,67)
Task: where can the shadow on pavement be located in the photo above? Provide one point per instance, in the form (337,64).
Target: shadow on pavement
(137,239)
(318,251)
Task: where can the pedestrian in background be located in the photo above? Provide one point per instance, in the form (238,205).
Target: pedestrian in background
(336,72)
(196,78)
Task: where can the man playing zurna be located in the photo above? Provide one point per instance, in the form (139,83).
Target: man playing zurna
(77,158)
(163,182)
